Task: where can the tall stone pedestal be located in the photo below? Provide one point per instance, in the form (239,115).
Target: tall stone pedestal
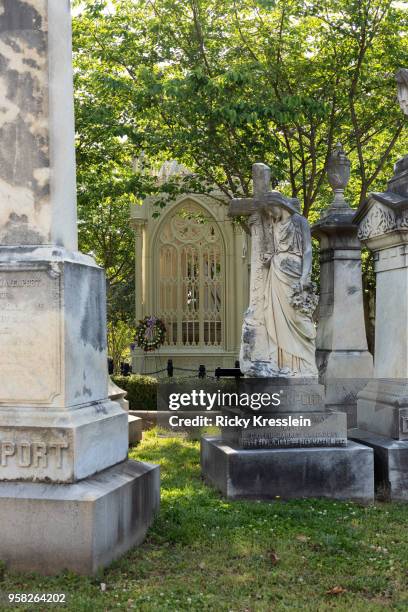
(56,421)
(280,454)
(382,407)
(341,344)
(383,227)
(68,495)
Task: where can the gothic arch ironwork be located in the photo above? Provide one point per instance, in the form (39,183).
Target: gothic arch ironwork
(190,261)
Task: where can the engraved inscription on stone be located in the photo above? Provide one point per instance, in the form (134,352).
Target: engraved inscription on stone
(29,336)
(28,453)
(301,398)
(266,438)
(292,397)
(318,429)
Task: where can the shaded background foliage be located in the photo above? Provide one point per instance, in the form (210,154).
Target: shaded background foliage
(221,84)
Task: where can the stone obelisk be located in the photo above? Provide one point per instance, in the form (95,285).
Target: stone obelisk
(68,495)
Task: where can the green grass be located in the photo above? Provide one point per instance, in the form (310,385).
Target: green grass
(204,553)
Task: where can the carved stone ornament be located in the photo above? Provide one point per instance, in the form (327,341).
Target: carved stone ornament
(379,220)
(338,175)
(382,214)
(305,298)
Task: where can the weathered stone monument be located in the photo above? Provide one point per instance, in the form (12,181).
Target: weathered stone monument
(69,499)
(277,454)
(342,355)
(382,407)
(278,332)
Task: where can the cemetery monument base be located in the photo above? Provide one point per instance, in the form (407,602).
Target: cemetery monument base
(81,527)
(289,462)
(344,473)
(382,415)
(68,495)
(390,464)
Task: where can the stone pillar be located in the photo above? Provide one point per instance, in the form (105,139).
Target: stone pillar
(384,230)
(139,229)
(382,408)
(139,280)
(63,443)
(342,354)
(383,227)
(241,284)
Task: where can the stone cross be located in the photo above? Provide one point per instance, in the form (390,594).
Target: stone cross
(255,357)
(251,208)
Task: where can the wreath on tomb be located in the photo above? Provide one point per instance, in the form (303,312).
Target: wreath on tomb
(150,334)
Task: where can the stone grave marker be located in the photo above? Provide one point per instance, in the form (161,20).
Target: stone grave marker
(68,495)
(382,406)
(283,457)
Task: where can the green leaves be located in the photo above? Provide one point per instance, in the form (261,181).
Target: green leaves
(259,77)
(220,84)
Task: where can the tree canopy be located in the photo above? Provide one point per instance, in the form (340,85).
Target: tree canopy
(221,84)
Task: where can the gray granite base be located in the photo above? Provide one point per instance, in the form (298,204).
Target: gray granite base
(82,527)
(289,473)
(390,464)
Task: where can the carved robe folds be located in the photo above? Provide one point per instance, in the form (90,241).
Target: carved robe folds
(278,334)
(291,332)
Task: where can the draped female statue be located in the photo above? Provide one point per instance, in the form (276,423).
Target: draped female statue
(288,299)
(278,333)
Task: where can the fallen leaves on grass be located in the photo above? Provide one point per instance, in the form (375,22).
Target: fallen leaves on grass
(273,557)
(302,538)
(337,590)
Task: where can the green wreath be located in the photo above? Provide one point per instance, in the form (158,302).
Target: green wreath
(150,334)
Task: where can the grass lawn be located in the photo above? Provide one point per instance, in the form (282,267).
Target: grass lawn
(204,553)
